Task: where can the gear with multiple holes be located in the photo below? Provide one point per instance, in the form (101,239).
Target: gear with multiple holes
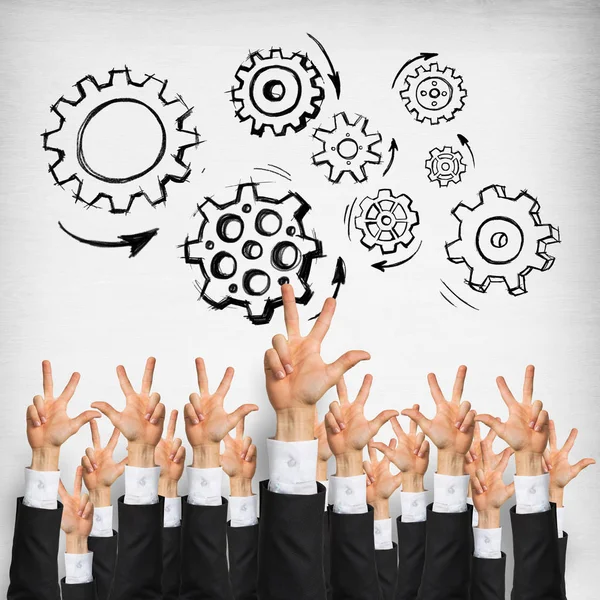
(501,240)
(434,94)
(445,166)
(76,117)
(386,221)
(277,92)
(247,248)
(347,148)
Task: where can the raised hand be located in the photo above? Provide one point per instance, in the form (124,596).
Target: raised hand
(239,461)
(77,515)
(142,419)
(526,430)
(381,483)
(349,431)
(452,428)
(561,471)
(296,375)
(207,422)
(324,451)
(474,456)
(169,455)
(100,470)
(48,425)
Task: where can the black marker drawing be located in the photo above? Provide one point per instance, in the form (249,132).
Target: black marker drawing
(248,247)
(454,296)
(277,92)
(334,75)
(135,241)
(347,148)
(275,170)
(422,56)
(501,240)
(393,150)
(445,166)
(100,142)
(433,94)
(338,280)
(465,142)
(382,265)
(386,221)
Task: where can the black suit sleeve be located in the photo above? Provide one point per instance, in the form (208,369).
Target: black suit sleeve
(535,548)
(411,558)
(487,578)
(290,545)
(78,591)
(204,570)
(327,554)
(138,568)
(243,561)
(353,564)
(171,562)
(103,565)
(387,571)
(34,563)
(447,570)
(562,557)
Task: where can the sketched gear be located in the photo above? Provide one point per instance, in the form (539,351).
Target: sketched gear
(347,148)
(501,240)
(434,94)
(386,221)
(247,248)
(68,141)
(277,92)
(445,166)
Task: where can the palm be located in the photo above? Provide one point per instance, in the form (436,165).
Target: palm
(444,433)
(71,522)
(169,469)
(215,425)
(562,472)
(107,472)
(356,434)
(232,462)
(475,455)
(495,496)
(57,429)
(385,482)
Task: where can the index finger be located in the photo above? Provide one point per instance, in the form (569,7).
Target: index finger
(124,382)
(528,384)
(434,388)
(71,386)
(552,435)
(148,375)
(342,391)
(95,434)
(202,376)
(78,480)
(459,384)
(47,379)
(172,425)
(290,311)
(505,392)
(322,324)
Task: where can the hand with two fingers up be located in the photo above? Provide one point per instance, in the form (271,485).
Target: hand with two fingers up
(169,455)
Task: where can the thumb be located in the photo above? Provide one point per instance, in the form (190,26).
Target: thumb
(107,410)
(384,449)
(345,363)
(85,417)
(418,417)
(383,417)
(492,422)
(582,464)
(510,488)
(240,413)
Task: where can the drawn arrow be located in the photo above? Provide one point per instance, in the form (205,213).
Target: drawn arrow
(423,55)
(339,279)
(465,142)
(383,264)
(393,149)
(136,241)
(334,75)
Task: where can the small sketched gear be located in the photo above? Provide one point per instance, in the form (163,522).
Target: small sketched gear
(445,166)
(247,248)
(501,239)
(347,148)
(166,117)
(386,221)
(277,92)
(434,94)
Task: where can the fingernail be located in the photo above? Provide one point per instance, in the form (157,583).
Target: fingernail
(372,479)
(80,512)
(336,430)
(201,417)
(43,419)
(463,429)
(95,465)
(90,470)
(171,456)
(288,369)
(37,423)
(280,374)
(248,459)
(457,424)
(243,455)
(342,425)
(421,455)
(531,424)
(154,421)
(147,416)
(538,428)
(485,488)
(195,421)
(416,451)
(175,460)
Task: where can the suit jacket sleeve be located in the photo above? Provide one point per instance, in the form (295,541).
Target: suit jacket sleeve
(353,565)
(537,573)
(204,570)
(78,591)
(290,545)
(103,565)
(171,562)
(411,558)
(387,571)
(138,568)
(327,554)
(243,561)
(487,578)
(447,570)
(562,556)
(34,564)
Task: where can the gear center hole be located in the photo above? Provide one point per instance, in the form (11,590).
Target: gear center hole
(274,90)
(347,149)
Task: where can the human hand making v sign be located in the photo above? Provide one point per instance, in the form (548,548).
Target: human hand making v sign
(170,457)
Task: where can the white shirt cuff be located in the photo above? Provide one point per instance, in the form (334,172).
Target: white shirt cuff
(560,521)
(292,467)
(204,486)
(532,493)
(243,511)
(172,512)
(414,506)
(325,484)
(141,485)
(475,520)
(349,494)
(41,489)
(78,568)
(450,493)
(488,543)
(103,522)
(382,533)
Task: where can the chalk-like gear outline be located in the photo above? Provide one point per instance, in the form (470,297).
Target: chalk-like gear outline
(452,159)
(420,101)
(386,216)
(332,139)
(300,70)
(498,216)
(74,114)
(247,207)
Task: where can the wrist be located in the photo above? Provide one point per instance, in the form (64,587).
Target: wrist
(450,463)
(321,470)
(489,519)
(295,424)
(76,544)
(238,486)
(349,464)
(528,463)
(140,455)
(557,496)
(167,488)
(381,509)
(100,497)
(45,459)
(412,482)
(206,456)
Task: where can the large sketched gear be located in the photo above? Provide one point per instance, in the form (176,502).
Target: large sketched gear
(247,248)
(386,221)
(445,166)
(501,240)
(277,92)
(168,117)
(434,94)
(347,148)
